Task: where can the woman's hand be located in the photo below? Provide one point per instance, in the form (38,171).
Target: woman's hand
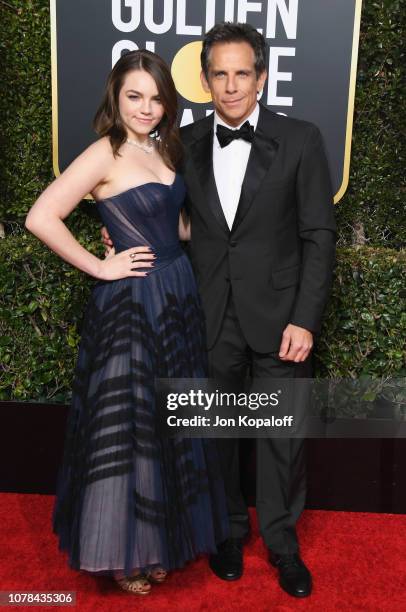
(126,263)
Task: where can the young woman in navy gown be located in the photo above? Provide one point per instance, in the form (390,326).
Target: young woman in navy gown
(130,503)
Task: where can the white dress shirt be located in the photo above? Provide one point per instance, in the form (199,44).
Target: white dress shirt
(229,166)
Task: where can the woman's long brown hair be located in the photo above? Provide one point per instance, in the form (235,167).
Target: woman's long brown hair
(108,122)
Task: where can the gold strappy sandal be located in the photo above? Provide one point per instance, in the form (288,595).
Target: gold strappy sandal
(157,575)
(139,585)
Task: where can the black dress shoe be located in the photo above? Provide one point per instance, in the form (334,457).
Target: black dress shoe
(294,577)
(227,562)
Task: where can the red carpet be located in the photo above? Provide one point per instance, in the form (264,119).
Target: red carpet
(358,561)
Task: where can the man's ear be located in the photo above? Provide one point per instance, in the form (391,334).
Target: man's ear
(204,82)
(261,80)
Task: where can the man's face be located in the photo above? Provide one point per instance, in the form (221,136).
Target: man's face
(232,81)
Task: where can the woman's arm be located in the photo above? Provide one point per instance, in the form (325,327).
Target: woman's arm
(45,218)
(60,198)
(184,225)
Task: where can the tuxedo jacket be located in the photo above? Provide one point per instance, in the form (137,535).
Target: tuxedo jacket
(278,257)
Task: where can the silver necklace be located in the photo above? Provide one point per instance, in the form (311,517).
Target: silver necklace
(146,148)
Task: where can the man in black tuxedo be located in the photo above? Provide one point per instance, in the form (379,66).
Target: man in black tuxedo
(262,246)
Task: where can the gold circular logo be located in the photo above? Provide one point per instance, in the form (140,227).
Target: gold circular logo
(186,73)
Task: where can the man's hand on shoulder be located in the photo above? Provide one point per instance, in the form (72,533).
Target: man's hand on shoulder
(296,344)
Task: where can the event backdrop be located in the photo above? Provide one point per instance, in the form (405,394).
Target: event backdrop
(312,59)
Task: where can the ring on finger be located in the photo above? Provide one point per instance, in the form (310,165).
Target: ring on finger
(133,255)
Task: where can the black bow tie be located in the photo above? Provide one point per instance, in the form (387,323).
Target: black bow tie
(225,135)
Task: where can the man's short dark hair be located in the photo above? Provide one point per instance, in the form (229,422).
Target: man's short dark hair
(227,32)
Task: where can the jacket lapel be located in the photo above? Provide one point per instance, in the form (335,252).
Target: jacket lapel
(202,154)
(262,155)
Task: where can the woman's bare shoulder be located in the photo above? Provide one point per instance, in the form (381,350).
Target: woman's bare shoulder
(100,150)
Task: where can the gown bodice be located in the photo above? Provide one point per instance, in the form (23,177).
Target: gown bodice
(146,215)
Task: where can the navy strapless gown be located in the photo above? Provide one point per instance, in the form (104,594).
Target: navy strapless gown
(127,498)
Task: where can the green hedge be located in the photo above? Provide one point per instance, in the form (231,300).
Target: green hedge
(40,322)
(42,302)
(374,202)
(364,327)
(25,106)
(26,112)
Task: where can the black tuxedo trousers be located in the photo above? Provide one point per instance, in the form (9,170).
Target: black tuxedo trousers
(280,462)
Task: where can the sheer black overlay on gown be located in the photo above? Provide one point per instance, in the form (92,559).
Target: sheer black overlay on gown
(127,498)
